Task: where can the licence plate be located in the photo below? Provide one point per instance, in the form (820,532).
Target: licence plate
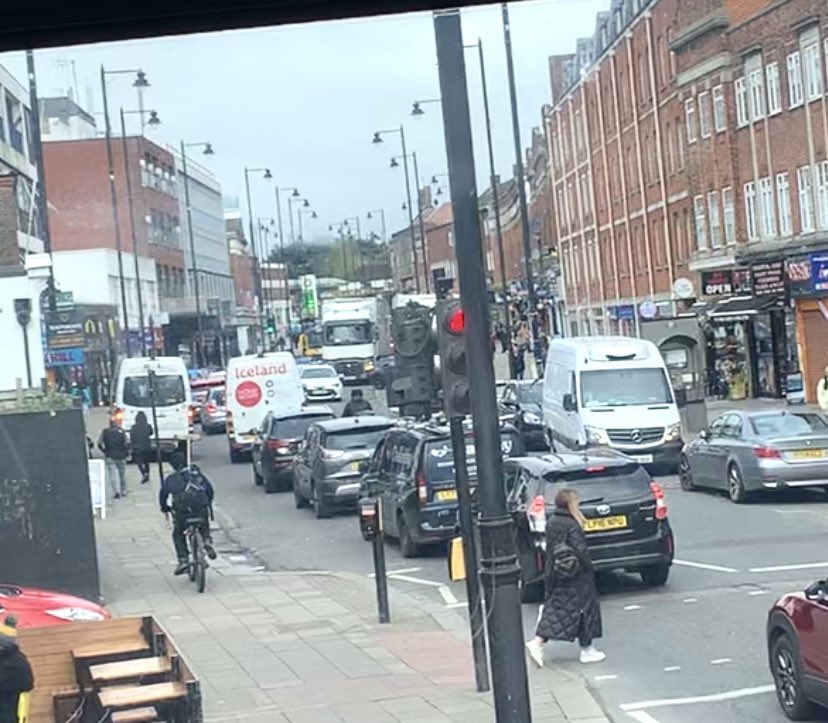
(445,495)
(247,438)
(808,454)
(599,524)
(643,458)
(356,466)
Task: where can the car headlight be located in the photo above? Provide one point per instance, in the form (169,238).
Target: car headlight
(596,435)
(77,615)
(282,451)
(532,418)
(673,432)
(368,366)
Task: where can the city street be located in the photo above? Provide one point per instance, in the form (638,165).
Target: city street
(692,650)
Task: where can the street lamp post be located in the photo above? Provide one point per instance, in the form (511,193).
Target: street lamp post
(304,211)
(347,221)
(386,250)
(378,139)
(292,200)
(140,82)
(423,237)
(256,267)
(295,193)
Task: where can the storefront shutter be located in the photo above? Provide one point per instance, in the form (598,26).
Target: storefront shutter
(815,328)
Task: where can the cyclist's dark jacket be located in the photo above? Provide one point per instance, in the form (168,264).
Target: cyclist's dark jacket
(174,484)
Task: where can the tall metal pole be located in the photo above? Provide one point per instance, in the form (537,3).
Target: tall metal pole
(423,237)
(134,235)
(519,174)
(257,274)
(410,212)
(191,234)
(290,219)
(499,563)
(287,275)
(299,218)
(507,322)
(113,197)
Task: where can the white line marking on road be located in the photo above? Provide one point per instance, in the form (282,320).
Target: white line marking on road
(460,604)
(415,580)
(642,717)
(447,595)
(721,661)
(712,698)
(704,566)
(689,600)
(606,677)
(402,571)
(782,568)
(672,668)
(758,592)
(632,607)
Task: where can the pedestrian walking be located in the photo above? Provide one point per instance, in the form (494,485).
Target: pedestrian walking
(16,677)
(822,391)
(140,439)
(570,608)
(520,361)
(115,447)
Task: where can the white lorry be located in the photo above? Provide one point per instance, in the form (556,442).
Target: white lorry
(348,334)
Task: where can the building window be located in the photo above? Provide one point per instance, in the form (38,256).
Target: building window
(766,208)
(813,71)
(794,80)
(701,228)
(729,216)
(757,95)
(679,144)
(806,209)
(671,149)
(715,219)
(783,203)
(750,210)
(740,91)
(14,115)
(822,194)
(772,81)
(704,115)
(719,109)
(690,117)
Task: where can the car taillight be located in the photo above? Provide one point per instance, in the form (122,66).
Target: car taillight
(422,489)
(190,413)
(117,415)
(536,512)
(661,504)
(766,453)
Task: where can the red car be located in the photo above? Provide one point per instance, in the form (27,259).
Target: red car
(37,608)
(798,650)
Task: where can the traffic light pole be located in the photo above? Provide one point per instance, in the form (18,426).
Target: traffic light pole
(499,564)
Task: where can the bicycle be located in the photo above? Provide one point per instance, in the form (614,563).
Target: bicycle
(197,562)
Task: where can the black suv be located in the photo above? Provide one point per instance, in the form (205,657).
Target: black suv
(276,444)
(626,513)
(412,471)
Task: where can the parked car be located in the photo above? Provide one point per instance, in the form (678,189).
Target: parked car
(412,471)
(37,608)
(277,443)
(200,390)
(321,382)
(521,404)
(797,636)
(331,460)
(214,411)
(626,512)
(743,453)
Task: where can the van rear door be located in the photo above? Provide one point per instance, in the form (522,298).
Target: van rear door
(171,403)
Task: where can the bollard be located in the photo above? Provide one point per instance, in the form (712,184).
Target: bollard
(370,525)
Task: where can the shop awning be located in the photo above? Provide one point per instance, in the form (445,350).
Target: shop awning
(741,306)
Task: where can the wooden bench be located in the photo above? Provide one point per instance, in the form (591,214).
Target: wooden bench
(141,696)
(136,715)
(130,646)
(129,669)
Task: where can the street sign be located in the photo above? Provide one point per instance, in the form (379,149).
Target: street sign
(63,358)
(64,330)
(647,309)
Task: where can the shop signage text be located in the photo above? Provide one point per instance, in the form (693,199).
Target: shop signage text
(819,272)
(64,330)
(717,283)
(768,278)
(63,358)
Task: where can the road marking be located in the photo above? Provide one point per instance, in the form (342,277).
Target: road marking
(758,592)
(783,568)
(721,661)
(712,698)
(642,717)
(415,580)
(460,604)
(606,677)
(672,668)
(403,571)
(704,566)
(689,600)
(447,595)
(632,607)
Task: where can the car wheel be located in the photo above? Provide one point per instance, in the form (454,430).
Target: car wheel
(408,548)
(655,575)
(686,475)
(236,457)
(298,500)
(257,478)
(787,677)
(736,486)
(319,505)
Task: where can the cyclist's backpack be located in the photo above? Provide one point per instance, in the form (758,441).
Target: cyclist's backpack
(192,499)
(565,562)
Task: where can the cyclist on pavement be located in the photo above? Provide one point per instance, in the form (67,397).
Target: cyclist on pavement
(191,497)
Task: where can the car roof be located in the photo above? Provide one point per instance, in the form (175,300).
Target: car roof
(317,365)
(433,430)
(344,423)
(304,412)
(571,461)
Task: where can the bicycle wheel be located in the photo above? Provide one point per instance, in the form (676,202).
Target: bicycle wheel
(191,566)
(200,564)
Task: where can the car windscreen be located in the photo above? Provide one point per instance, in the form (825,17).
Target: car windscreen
(438,457)
(598,483)
(356,438)
(169,391)
(344,333)
(295,427)
(317,373)
(530,393)
(219,397)
(199,395)
(624,388)
(788,425)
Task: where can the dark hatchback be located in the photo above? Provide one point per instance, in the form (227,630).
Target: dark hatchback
(521,404)
(626,514)
(277,443)
(412,471)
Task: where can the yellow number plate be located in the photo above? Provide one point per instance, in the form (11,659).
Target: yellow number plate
(355,466)
(445,495)
(599,524)
(808,454)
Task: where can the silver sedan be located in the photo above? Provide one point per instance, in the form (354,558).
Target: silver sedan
(746,452)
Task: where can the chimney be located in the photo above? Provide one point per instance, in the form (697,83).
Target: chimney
(9,249)
(425,198)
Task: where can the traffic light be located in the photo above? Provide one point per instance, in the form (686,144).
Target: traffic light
(412,383)
(270,325)
(451,341)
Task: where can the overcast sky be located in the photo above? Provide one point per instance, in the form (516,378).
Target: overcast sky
(304,100)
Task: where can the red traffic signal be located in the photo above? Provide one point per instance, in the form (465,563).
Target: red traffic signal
(456,322)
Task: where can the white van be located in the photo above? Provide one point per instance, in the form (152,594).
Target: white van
(173,403)
(257,384)
(612,391)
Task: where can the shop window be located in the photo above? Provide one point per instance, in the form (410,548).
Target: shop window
(701,223)
(719,109)
(729,216)
(783,202)
(740,92)
(750,210)
(690,119)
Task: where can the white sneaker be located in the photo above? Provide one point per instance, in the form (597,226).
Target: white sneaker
(535,650)
(592,655)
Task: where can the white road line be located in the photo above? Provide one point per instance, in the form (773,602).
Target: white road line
(606,677)
(782,568)
(447,595)
(690,600)
(721,661)
(672,668)
(712,698)
(758,592)
(632,607)
(704,566)
(415,580)
(642,717)
(402,571)
(461,604)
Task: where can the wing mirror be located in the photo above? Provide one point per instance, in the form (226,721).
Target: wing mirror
(816,591)
(570,404)
(704,435)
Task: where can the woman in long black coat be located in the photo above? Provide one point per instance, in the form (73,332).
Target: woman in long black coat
(570,609)
(140,437)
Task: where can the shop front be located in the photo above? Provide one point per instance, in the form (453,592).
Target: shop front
(807,277)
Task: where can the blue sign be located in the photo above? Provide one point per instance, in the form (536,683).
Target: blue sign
(819,272)
(623,312)
(63,358)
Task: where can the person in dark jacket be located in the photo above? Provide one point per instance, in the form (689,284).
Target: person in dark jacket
(357,405)
(16,675)
(140,437)
(114,444)
(519,361)
(570,609)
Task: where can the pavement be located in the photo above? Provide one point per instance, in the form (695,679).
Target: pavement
(303,646)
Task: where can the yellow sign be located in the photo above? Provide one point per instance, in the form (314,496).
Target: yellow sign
(456,560)
(600,524)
